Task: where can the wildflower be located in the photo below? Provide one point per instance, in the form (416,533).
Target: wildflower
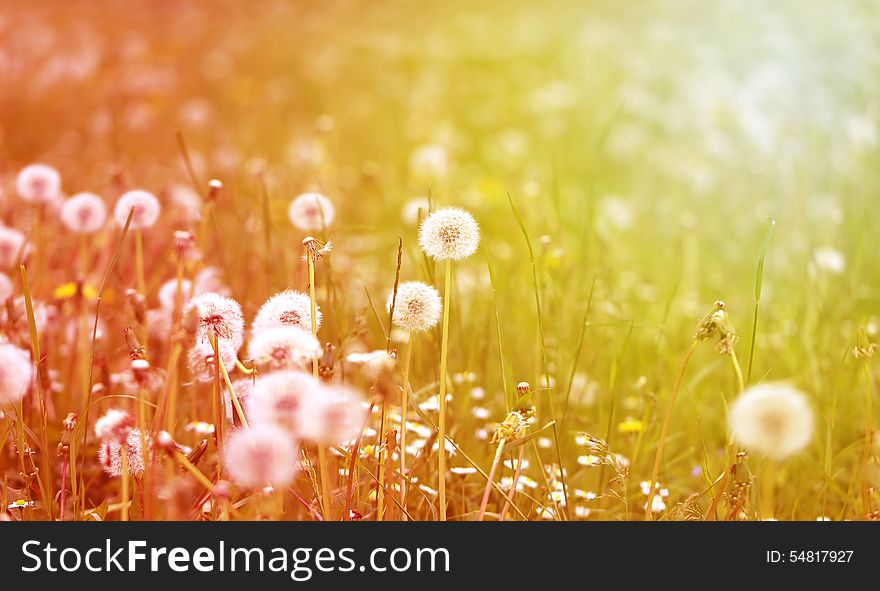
(110,454)
(463,470)
(630,425)
(146,209)
(20,504)
(283,347)
(38,183)
(217,316)
(16,373)
(279,397)
(287,308)
(311,212)
(200,428)
(84,213)
(333,417)
(416,306)
(449,234)
(12,244)
(772,419)
(264,454)
(201,359)
(716,324)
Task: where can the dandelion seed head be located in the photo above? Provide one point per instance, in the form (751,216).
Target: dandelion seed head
(311,212)
(201,359)
(262,455)
(417,307)
(218,316)
(287,308)
(415,210)
(110,454)
(283,347)
(38,183)
(16,373)
(114,424)
(6,289)
(333,417)
(168,292)
(12,243)
(279,398)
(773,419)
(146,209)
(84,213)
(449,234)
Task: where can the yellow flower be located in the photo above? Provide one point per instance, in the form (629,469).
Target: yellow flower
(630,426)
(68,290)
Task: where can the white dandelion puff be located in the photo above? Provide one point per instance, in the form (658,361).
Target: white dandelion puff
(12,244)
(279,398)
(311,212)
(449,234)
(262,455)
(146,209)
(201,359)
(772,419)
(333,417)
(218,316)
(16,373)
(417,307)
(287,308)
(38,183)
(110,454)
(283,347)
(84,213)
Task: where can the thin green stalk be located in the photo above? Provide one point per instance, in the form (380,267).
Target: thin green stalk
(759,282)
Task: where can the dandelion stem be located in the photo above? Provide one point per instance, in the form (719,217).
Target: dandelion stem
(441,423)
(236,403)
(124,474)
(218,405)
(496,460)
(404,407)
(658,457)
(322,453)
